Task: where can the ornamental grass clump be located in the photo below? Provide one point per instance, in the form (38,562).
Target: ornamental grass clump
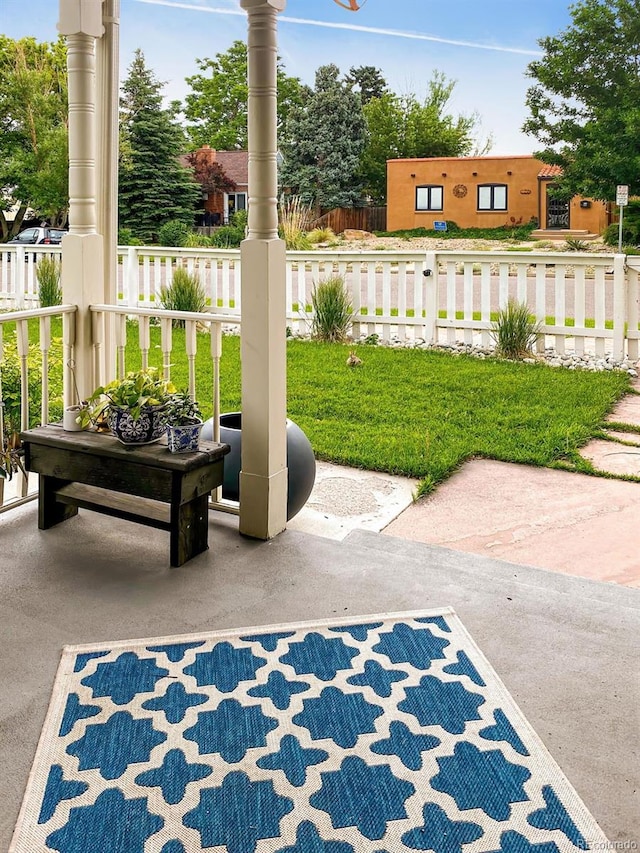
(295,217)
(514,331)
(185,293)
(332,310)
(49,287)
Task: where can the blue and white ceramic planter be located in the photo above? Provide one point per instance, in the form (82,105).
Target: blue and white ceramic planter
(184,438)
(150,426)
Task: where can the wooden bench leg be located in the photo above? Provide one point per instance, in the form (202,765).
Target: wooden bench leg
(51,511)
(189,530)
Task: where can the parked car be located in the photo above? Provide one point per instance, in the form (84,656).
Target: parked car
(41,234)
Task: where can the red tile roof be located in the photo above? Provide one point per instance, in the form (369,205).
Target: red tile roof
(550,171)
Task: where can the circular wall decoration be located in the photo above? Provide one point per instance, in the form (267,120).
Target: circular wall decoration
(459,191)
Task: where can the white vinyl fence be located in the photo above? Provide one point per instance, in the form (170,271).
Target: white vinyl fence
(584,301)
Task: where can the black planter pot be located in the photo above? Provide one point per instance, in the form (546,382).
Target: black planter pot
(301,462)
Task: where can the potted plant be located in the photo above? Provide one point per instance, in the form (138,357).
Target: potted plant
(136,407)
(77,416)
(184,423)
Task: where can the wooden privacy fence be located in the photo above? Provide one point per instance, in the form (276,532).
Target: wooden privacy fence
(359,218)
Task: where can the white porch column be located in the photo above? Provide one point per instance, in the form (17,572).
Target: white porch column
(263,476)
(82,250)
(107,100)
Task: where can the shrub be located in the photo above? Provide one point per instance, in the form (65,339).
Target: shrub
(227,237)
(173,233)
(48,275)
(575,245)
(185,293)
(321,235)
(126,237)
(333,311)
(514,331)
(240,220)
(10,375)
(195,241)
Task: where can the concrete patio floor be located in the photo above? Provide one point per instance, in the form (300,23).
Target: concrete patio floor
(567,648)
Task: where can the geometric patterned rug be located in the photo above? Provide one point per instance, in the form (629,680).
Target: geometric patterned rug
(382,734)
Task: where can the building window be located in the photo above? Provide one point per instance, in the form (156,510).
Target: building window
(429,198)
(492,197)
(235,202)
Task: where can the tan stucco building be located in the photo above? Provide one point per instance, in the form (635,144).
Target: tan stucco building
(484,192)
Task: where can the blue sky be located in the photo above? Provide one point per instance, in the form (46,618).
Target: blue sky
(485,45)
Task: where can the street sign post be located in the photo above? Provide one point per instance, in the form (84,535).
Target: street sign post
(622,200)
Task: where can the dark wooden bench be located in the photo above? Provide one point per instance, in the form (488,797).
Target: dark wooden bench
(145,484)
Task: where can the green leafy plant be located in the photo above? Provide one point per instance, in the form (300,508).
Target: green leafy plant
(576,245)
(514,331)
(185,293)
(173,233)
(195,241)
(139,388)
(183,410)
(48,276)
(11,396)
(126,237)
(332,310)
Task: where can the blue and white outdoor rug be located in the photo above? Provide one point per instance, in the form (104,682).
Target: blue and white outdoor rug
(378,735)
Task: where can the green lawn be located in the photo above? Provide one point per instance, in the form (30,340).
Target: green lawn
(423,413)
(413,412)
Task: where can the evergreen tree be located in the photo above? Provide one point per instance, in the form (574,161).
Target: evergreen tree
(154,187)
(369,82)
(325,139)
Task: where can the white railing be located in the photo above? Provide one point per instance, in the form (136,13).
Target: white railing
(18,280)
(193,322)
(16,491)
(585,301)
(582,297)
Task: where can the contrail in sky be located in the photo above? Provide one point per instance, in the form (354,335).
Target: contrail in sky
(352,27)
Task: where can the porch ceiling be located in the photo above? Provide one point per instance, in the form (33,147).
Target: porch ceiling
(563,646)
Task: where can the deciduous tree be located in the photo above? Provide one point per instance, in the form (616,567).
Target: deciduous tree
(216,108)
(402,126)
(585,106)
(33,131)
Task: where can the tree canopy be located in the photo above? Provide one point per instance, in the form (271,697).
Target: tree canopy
(33,131)
(216,108)
(368,81)
(325,138)
(402,126)
(585,106)
(154,187)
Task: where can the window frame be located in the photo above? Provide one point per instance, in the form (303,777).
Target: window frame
(492,207)
(430,207)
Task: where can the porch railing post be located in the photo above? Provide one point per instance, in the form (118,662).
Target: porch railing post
(431,302)
(620,284)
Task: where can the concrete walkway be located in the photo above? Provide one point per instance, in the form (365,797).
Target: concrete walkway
(558,520)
